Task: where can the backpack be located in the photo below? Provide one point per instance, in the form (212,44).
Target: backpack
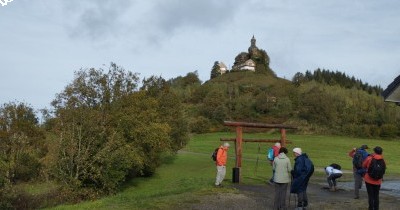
(376,168)
(358,159)
(309,167)
(214,154)
(270,154)
(336,166)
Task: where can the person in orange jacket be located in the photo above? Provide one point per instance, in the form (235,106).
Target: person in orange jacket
(373,185)
(222,156)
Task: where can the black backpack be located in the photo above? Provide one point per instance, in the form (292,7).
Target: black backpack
(336,166)
(377,168)
(358,159)
(214,154)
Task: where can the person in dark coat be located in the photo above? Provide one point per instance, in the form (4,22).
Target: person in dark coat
(301,173)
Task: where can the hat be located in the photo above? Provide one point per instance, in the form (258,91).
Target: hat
(226,144)
(297,150)
(364,146)
(277,144)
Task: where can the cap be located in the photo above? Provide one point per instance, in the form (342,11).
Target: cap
(297,150)
(226,144)
(364,146)
(277,144)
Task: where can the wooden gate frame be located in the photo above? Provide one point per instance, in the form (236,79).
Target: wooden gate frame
(239,137)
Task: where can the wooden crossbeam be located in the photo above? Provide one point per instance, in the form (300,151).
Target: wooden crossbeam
(255,140)
(258,125)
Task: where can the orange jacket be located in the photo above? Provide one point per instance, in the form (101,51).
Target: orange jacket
(366,164)
(222,155)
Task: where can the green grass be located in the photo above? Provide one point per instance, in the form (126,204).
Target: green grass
(192,172)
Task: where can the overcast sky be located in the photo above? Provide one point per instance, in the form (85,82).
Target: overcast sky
(43,42)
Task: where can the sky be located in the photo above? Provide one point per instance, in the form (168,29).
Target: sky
(43,42)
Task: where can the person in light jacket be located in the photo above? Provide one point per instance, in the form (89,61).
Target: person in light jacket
(333,172)
(275,148)
(282,168)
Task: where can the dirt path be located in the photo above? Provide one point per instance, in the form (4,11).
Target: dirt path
(256,197)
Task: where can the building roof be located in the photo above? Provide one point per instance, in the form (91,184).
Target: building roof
(392,92)
(222,65)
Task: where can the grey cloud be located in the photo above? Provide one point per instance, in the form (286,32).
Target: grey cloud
(210,15)
(95,19)
(146,21)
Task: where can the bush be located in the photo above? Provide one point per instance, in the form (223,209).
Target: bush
(388,131)
(200,125)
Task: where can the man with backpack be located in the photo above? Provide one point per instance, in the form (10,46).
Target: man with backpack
(358,156)
(222,155)
(376,168)
(301,173)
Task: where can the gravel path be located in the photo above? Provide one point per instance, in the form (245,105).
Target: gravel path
(254,197)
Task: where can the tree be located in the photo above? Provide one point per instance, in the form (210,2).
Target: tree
(90,151)
(298,79)
(108,131)
(170,107)
(215,70)
(21,143)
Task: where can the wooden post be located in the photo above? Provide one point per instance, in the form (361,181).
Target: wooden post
(283,137)
(238,146)
(236,177)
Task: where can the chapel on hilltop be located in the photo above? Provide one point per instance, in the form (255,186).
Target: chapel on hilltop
(254,60)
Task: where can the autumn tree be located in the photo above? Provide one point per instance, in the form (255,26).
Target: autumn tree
(21,143)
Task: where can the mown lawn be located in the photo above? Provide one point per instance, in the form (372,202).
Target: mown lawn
(192,172)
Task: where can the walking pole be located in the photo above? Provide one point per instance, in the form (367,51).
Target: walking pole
(290,193)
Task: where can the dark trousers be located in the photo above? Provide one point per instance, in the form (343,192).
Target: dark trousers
(302,199)
(280,195)
(358,180)
(332,179)
(373,196)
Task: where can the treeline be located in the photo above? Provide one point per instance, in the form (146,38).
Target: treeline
(335,78)
(341,108)
(103,130)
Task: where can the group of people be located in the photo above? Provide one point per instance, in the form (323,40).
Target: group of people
(303,168)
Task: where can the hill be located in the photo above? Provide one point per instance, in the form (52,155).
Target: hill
(315,105)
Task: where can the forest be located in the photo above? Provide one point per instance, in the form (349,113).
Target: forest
(108,126)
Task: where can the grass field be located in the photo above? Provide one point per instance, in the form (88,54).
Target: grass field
(192,172)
